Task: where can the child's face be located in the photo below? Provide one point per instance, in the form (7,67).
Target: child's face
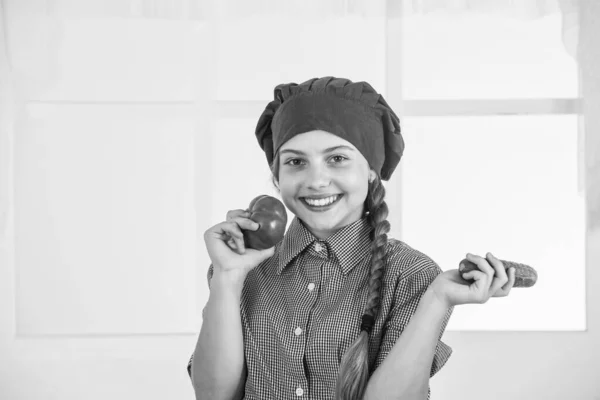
(319,165)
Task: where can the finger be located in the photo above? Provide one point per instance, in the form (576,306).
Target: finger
(512,276)
(238,237)
(231,214)
(246,223)
(505,290)
(478,290)
(233,246)
(243,224)
(233,232)
(500,278)
(483,266)
(475,275)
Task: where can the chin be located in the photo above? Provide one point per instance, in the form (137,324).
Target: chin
(324,223)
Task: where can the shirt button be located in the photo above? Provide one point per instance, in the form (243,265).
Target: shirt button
(311,287)
(318,247)
(298,331)
(299,392)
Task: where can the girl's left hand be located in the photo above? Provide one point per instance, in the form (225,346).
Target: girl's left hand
(491,280)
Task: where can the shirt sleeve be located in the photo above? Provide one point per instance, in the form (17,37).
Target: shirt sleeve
(409,291)
(209,275)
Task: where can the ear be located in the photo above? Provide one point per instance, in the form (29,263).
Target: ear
(372,175)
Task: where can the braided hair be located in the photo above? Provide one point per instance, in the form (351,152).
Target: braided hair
(354,368)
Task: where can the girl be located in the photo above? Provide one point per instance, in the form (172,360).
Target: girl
(336,309)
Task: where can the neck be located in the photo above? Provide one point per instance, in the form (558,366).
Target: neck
(326,233)
(322,235)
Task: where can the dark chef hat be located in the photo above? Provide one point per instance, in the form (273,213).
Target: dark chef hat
(352,111)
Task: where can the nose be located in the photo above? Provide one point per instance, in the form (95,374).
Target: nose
(318,177)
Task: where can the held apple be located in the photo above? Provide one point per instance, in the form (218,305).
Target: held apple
(270,214)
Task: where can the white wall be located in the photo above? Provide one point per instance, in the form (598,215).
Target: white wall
(544,365)
(104,115)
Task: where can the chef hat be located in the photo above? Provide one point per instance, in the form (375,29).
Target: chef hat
(353,111)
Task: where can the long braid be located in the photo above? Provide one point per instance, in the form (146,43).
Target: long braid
(377,218)
(354,369)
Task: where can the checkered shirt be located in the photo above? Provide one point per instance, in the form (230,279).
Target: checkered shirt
(302,308)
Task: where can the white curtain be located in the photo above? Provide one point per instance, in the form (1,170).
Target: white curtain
(7,99)
(520,9)
(204,9)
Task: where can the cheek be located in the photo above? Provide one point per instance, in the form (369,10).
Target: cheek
(357,183)
(288,189)
(352,180)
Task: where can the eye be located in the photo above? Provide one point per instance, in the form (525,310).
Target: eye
(294,162)
(337,159)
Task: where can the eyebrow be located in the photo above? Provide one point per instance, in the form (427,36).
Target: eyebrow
(327,150)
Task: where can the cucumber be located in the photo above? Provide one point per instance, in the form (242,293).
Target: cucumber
(525,276)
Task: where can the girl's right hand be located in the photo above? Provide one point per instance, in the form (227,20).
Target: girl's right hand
(225,246)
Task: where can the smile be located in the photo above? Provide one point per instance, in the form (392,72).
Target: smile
(324,202)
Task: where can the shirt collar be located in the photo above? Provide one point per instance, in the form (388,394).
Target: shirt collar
(350,244)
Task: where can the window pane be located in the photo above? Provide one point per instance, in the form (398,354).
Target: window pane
(104,219)
(240,169)
(507,185)
(461,54)
(260,51)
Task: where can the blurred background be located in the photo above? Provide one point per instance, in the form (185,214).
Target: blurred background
(127,129)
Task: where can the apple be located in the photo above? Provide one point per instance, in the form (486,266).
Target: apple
(269,213)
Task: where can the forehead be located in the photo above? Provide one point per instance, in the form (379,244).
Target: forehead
(315,141)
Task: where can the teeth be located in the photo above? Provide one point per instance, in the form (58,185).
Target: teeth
(321,202)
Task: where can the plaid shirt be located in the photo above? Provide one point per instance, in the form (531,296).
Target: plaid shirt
(301,309)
